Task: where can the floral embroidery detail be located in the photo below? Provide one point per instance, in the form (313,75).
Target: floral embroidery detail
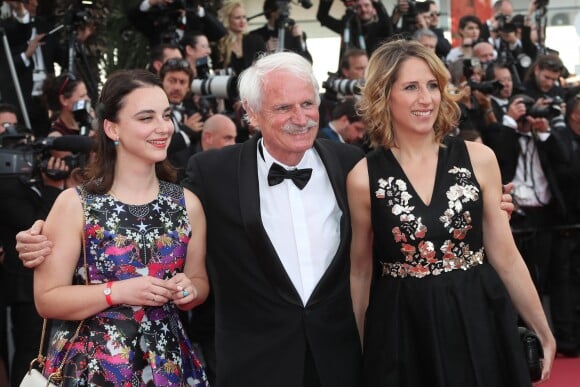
(422,258)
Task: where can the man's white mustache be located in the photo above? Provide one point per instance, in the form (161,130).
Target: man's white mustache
(291,128)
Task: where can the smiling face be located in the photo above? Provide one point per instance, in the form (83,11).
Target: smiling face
(415,98)
(144,126)
(288,118)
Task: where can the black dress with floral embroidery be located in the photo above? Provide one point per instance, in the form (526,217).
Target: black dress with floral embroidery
(438,314)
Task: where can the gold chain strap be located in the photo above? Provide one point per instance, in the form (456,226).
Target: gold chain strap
(56,376)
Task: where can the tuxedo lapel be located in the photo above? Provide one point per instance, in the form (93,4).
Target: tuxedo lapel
(266,255)
(337,179)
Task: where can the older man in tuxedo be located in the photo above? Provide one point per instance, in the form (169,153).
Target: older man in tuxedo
(278,232)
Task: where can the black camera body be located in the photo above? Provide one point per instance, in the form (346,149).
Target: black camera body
(487,87)
(22,155)
(549,112)
(541,3)
(82,112)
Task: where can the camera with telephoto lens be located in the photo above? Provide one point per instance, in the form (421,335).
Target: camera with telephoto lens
(343,86)
(24,156)
(218,86)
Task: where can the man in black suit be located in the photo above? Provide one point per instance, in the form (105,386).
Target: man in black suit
(34,53)
(21,202)
(277,252)
(528,156)
(294,37)
(368,24)
(166,21)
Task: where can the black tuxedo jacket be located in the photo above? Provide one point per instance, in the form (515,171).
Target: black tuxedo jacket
(504,142)
(18,35)
(262,328)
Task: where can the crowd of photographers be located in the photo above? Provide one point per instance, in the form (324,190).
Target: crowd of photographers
(508,84)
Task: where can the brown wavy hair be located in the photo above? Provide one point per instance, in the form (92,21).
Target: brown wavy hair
(382,72)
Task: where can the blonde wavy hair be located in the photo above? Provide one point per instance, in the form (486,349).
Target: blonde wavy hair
(382,72)
(225,44)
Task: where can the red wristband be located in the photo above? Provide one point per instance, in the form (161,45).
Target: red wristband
(108,292)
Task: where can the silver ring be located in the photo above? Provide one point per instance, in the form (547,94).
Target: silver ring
(185,293)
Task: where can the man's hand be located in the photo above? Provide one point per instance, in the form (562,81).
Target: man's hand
(55,165)
(33,247)
(194,121)
(516,109)
(33,45)
(506,199)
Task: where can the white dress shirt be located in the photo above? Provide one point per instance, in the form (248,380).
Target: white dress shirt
(531,188)
(303,225)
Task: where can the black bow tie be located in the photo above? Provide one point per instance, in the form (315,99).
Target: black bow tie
(300,177)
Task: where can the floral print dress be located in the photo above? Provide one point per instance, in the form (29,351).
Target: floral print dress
(438,313)
(128,345)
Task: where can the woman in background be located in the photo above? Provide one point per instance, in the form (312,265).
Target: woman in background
(238,49)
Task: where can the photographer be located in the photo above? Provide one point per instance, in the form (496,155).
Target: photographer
(176,77)
(20,203)
(468,31)
(35,52)
(277,16)
(197,51)
(431,17)
(68,100)
(528,156)
(166,21)
(498,71)
(514,44)
(475,96)
(543,78)
(365,24)
(502,9)
(340,86)
(565,280)
(412,16)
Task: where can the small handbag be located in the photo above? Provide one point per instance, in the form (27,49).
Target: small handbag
(34,377)
(533,352)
